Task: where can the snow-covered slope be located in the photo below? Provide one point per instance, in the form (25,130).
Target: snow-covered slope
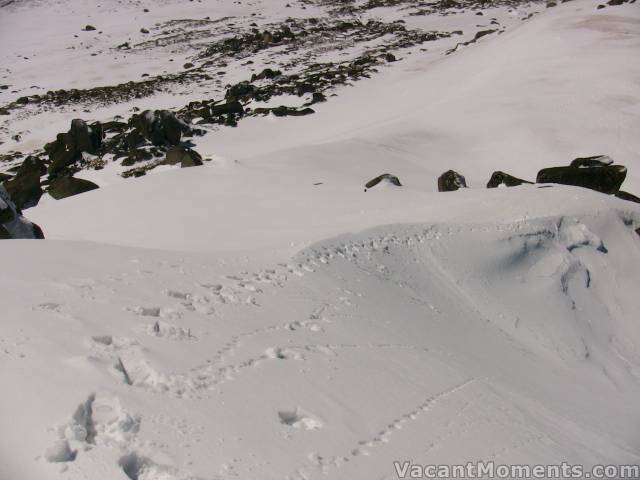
(264,317)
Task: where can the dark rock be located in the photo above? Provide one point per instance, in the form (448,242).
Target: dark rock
(63,187)
(267,73)
(318,97)
(500,178)
(232,107)
(160,127)
(607,179)
(595,161)
(6,213)
(627,196)
(450,181)
(184,156)
(390,57)
(188,65)
(5,176)
(89,28)
(385,177)
(67,149)
(144,30)
(12,223)
(283,111)
(86,139)
(239,90)
(25,189)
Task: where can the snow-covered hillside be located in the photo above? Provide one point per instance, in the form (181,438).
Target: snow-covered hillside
(264,316)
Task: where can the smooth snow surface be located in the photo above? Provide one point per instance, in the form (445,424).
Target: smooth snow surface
(263,317)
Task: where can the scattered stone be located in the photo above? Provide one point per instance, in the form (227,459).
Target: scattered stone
(500,178)
(451,181)
(63,187)
(390,57)
(384,178)
(144,30)
(89,28)
(188,65)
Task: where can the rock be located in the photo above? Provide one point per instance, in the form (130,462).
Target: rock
(25,189)
(63,187)
(5,176)
(450,181)
(239,90)
(232,107)
(89,28)
(160,127)
(67,149)
(7,214)
(605,179)
(384,178)
(283,111)
(595,161)
(12,223)
(184,156)
(267,73)
(627,196)
(390,57)
(500,178)
(318,97)
(144,30)
(188,65)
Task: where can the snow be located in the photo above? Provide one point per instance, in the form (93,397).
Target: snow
(262,316)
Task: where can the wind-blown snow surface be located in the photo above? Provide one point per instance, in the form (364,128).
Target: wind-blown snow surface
(265,318)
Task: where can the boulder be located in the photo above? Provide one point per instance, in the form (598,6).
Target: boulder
(450,181)
(25,189)
(231,107)
(627,196)
(67,149)
(183,156)
(12,223)
(160,127)
(63,187)
(86,138)
(606,179)
(500,178)
(240,90)
(595,161)
(283,111)
(384,178)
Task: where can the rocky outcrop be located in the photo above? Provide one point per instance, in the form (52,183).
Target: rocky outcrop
(500,178)
(450,181)
(24,188)
(12,224)
(595,173)
(63,187)
(384,178)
